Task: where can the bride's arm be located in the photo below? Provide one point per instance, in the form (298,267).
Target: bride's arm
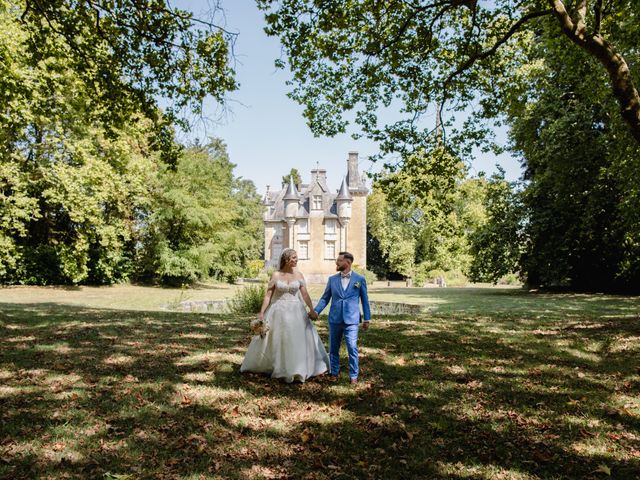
(307,298)
(267,296)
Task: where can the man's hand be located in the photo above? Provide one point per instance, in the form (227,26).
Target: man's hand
(313,315)
(365,325)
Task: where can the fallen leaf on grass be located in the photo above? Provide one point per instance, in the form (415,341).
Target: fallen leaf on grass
(58,446)
(602,468)
(306,435)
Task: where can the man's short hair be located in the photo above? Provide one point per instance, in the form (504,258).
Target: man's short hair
(347,255)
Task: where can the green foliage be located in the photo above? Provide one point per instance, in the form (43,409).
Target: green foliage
(205,223)
(368,275)
(79,127)
(72,189)
(126,54)
(582,218)
(354,61)
(497,245)
(420,217)
(254,267)
(248,300)
(451,278)
(574,223)
(295,174)
(395,238)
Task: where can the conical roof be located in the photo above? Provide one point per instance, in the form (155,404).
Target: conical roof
(343,193)
(292,191)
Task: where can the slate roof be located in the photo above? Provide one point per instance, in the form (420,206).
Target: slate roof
(275,199)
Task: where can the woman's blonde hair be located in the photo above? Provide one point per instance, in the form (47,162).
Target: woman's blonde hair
(286,255)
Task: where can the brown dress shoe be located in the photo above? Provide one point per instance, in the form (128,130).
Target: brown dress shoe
(354,381)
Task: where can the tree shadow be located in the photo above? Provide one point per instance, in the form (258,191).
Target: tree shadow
(89,392)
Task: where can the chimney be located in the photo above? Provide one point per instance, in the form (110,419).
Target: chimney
(353,177)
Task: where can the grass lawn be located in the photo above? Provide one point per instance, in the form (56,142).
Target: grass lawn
(489,383)
(124,297)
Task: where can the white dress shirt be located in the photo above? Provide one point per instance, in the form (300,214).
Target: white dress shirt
(345,280)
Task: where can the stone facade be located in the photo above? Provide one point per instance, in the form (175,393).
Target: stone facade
(317,223)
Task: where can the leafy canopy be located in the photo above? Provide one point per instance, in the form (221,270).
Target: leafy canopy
(367,61)
(130,53)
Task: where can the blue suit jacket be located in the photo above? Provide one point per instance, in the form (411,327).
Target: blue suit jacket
(345,304)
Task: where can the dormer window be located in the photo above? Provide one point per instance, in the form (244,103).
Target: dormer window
(316,202)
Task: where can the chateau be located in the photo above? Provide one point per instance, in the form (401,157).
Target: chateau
(318,223)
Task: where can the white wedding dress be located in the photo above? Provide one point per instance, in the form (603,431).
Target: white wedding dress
(291,349)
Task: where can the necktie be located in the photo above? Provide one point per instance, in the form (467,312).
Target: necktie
(346,275)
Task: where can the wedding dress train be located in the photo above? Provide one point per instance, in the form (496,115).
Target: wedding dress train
(291,349)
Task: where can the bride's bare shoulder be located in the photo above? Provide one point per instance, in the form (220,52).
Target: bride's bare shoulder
(276,275)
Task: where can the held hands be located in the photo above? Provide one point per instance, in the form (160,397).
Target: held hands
(313,315)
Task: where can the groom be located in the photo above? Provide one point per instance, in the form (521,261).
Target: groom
(345,290)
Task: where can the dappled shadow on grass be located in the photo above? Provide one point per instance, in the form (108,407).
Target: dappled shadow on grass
(513,300)
(86,392)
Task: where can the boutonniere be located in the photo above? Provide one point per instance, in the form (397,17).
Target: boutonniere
(357,284)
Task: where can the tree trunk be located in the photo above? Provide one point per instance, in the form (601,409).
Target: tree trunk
(619,73)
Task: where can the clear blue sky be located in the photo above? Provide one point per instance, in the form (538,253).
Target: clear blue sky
(264,130)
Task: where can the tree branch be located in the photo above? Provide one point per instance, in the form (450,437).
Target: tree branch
(419,9)
(624,88)
(486,53)
(597,10)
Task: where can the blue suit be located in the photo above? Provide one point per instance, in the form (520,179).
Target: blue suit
(344,317)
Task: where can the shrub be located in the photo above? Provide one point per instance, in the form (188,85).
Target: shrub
(509,279)
(253,268)
(368,275)
(248,300)
(452,278)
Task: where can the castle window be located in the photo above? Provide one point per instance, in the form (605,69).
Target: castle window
(330,226)
(303,250)
(303,225)
(330,250)
(317,202)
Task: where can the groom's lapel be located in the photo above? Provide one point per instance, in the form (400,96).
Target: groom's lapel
(343,291)
(352,280)
(338,281)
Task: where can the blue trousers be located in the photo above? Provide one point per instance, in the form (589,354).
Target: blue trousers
(350,332)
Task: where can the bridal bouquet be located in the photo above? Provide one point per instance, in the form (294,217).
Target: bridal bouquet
(259,327)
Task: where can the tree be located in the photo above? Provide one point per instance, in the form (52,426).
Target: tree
(394,231)
(295,174)
(420,218)
(359,59)
(574,222)
(204,223)
(497,245)
(580,223)
(72,190)
(127,54)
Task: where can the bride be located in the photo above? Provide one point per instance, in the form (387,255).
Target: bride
(291,348)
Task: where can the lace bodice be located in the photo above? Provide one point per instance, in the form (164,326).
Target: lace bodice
(286,291)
